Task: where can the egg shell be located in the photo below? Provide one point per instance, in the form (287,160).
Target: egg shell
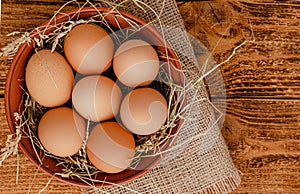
(110,148)
(144,111)
(49,78)
(89,49)
(136,63)
(96,98)
(62,131)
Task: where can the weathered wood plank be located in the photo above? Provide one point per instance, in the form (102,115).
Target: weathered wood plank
(262,86)
(260,152)
(264,141)
(266,68)
(261,69)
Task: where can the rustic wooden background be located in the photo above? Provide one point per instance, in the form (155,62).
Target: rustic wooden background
(262,127)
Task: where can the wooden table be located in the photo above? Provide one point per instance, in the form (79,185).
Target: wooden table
(262,83)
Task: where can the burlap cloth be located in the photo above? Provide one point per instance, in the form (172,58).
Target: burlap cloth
(199,162)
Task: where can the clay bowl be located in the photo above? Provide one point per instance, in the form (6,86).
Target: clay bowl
(15,80)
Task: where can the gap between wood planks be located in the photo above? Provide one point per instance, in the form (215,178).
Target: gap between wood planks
(255,97)
(0,11)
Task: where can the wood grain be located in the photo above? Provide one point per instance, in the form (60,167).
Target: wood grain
(264,141)
(265,69)
(262,84)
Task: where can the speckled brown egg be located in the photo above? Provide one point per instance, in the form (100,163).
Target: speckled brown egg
(136,63)
(110,148)
(89,49)
(144,111)
(49,78)
(62,131)
(96,98)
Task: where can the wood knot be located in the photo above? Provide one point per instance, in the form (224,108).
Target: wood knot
(231,131)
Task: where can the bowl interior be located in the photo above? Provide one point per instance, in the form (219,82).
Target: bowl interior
(15,83)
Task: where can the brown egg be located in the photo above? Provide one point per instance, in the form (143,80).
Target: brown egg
(49,78)
(144,111)
(96,98)
(61,131)
(136,63)
(110,148)
(89,49)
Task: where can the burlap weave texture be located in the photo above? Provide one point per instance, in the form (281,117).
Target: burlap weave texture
(201,164)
